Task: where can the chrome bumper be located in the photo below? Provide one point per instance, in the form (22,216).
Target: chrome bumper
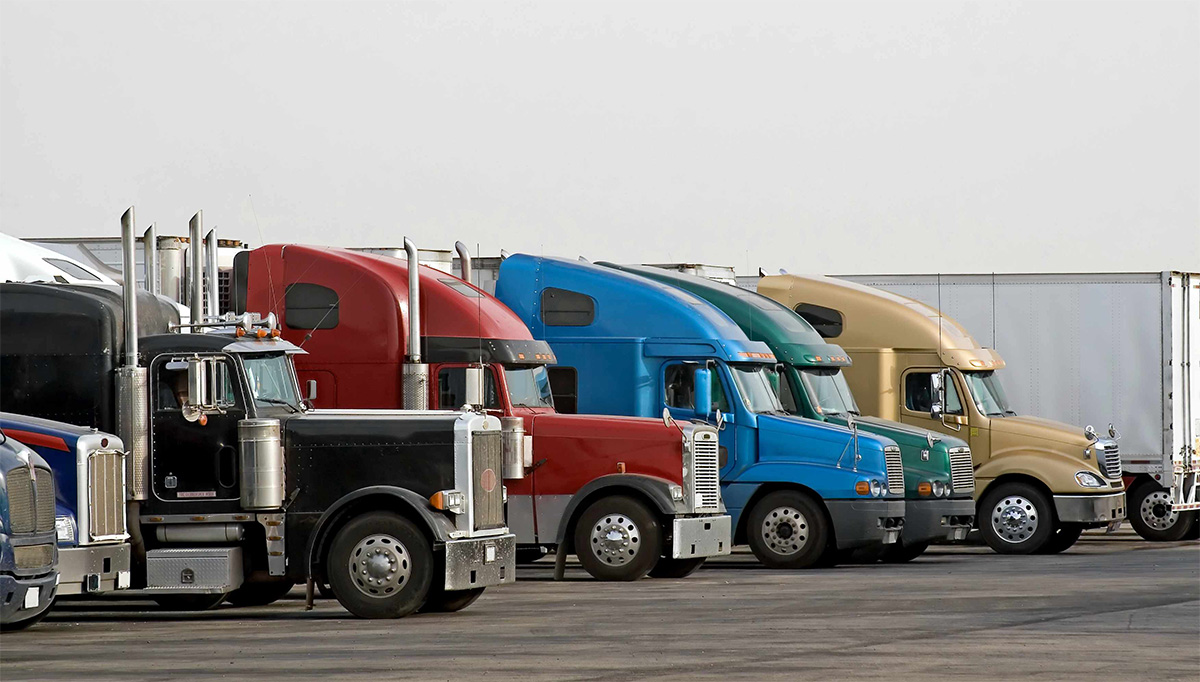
(93,568)
(1093,509)
(701,536)
(481,562)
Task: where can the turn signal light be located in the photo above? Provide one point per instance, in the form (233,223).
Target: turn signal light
(261,333)
(862,488)
(924,488)
(240,332)
(274,333)
(438,501)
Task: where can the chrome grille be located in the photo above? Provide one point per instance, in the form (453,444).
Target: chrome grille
(962,470)
(705,484)
(20,501)
(487,463)
(45,501)
(1108,459)
(33,556)
(106,495)
(895,469)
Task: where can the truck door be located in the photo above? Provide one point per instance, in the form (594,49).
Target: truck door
(678,396)
(189,461)
(916,399)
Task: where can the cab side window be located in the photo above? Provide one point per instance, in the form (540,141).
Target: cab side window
(786,398)
(681,387)
(918,393)
(172,386)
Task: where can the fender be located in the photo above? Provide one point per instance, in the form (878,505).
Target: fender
(830,482)
(439,525)
(1054,469)
(657,489)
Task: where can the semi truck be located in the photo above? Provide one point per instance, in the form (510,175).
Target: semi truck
(629,497)
(1038,483)
(801,492)
(236,487)
(939,481)
(1096,348)
(28,555)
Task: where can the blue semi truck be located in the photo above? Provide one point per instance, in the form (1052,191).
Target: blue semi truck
(801,492)
(28,557)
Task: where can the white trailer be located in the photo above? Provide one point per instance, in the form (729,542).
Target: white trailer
(1119,348)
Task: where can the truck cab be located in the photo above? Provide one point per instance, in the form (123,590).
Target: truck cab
(365,320)
(28,556)
(1038,483)
(798,490)
(938,476)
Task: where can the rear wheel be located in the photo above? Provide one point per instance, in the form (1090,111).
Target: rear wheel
(676,568)
(618,538)
(1065,536)
(189,602)
(1016,518)
(900,553)
(1150,514)
(380,566)
(260,593)
(786,529)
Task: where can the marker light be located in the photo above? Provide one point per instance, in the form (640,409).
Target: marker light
(862,488)
(924,489)
(240,332)
(261,333)
(448,500)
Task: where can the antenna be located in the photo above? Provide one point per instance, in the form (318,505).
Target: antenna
(939,289)
(267,258)
(993,311)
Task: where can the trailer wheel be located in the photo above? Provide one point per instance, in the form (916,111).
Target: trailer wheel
(441,601)
(1150,513)
(189,602)
(1065,537)
(1016,518)
(618,538)
(900,553)
(676,568)
(786,529)
(260,593)
(380,566)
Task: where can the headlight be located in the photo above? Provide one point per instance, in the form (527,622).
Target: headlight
(876,488)
(676,492)
(1088,480)
(939,488)
(64,528)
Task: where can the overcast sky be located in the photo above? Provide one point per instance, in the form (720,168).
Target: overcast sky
(825,137)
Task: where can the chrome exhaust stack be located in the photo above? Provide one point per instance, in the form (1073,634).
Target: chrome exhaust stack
(415,379)
(133,416)
(196,277)
(210,275)
(150,258)
(464,261)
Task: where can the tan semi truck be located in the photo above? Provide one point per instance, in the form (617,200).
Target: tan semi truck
(1038,483)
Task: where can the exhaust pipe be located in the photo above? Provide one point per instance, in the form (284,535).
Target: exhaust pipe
(415,380)
(133,415)
(195,247)
(464,261)
(210,276)
(150,258)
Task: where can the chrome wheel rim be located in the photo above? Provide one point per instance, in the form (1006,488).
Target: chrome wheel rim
(615,539)
(1014,519)
(785,530)
(1156,510)
(379,565)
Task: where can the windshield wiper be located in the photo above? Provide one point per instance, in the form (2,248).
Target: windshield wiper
(1010,413)
(277,401)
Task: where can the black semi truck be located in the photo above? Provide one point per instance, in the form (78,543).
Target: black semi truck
(239,490)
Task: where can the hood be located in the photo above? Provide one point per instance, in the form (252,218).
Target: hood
(808,440)
(1028,427)
(595,426)
(905,434)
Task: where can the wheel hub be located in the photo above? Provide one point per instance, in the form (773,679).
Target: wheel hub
(616,539)
(379,565)
(1156,511)
(1014,519)
(785,530)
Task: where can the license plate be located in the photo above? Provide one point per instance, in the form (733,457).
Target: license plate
(33,596)
(489,554)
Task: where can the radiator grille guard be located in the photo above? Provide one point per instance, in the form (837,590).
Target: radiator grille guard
(705,484)
(487,463)
(962,470)
(895,469)
(1108,458)
(106,495)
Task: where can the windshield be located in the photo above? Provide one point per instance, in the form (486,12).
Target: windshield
(529,387)
(827,390)
(988,394)
(271,380)
(755,383)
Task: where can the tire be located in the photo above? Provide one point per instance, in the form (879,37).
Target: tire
(618,538)
(676,568)
(1194,534)
(26,622)
(260,593)
(1065,536)
(325,590)
(900,553)
(1148,511)
(1016,518)
(786,529)
(441,601)
(392,564)
(189,602)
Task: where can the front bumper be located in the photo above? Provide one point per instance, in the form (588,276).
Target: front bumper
(930,520)
(863,523)
(16,593)
(93,568)
(1096,510)
(480,562)
(701,536)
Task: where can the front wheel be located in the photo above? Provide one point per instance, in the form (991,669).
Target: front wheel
(380,566)
(260,593)
(900,553)
(1150,514)
(676,568)
(441,601)
(1016,518)
(786,529)
(1065,537)
(618,538)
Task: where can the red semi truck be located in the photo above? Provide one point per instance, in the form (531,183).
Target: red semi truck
(628,496)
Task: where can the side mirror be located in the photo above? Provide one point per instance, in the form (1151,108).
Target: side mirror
(312,389)
(937,391)
(473,378)
(205,380)
(720,420)
(702,383)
